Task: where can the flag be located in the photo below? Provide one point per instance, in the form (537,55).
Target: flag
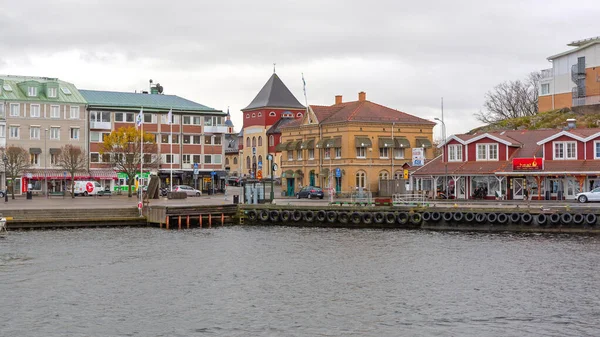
(140,118)
(170,117)
(303,84)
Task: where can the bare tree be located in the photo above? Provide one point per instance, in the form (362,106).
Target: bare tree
(123,146)
(72,159)
(510,100)
(17,161)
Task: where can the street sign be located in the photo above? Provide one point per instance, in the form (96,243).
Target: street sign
(275,167)
(195,165)
(213,173)
(269,157)
(259,174)
(338,172)
(405,174)
(65,174)
(253,150)
(260,165)
(196,170)
(418,156)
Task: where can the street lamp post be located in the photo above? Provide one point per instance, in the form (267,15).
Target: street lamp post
(444,154)
(270,159)
(5,160)
(330,185)
(45,162)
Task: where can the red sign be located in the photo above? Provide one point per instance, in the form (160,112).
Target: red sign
(528,164)
(89,187)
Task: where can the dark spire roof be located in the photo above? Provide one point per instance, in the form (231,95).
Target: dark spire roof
(274,94)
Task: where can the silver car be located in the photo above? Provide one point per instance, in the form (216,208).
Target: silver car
(190,191)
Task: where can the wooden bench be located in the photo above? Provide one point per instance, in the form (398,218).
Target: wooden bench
(56,194)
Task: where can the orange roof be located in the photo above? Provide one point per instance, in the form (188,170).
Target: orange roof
(364,111)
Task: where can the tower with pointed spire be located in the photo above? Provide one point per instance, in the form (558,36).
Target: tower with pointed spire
(273,105)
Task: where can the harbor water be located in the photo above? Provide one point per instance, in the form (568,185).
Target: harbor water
(280,281)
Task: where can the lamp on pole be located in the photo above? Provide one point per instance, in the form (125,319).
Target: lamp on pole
(444,154)
(330,186)
(270,159)
(45,162)
(5,160)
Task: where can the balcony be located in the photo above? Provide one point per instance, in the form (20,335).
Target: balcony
(587,100)
(546,73)
(215,129)
(100,125)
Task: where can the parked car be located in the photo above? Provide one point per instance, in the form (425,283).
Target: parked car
(190,191)
(310,192)
(593,195)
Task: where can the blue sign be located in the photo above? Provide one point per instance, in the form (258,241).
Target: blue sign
(195,165)
(259,164)
(213,173)
(338,173)
(65,174)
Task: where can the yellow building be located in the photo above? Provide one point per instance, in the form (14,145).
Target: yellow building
(352,145)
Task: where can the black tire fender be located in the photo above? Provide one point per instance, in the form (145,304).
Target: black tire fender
(390,218)
(502,218)
(436,216)
(480,217)
(526,218)
(252,215)
(343,217)
(274,215)
(469,217)
(285,215)
(416,218)
(321,216)
(355,217)
(402,218)
(332,216)
(566,218)
(378,217)
(263,215)
(308,216)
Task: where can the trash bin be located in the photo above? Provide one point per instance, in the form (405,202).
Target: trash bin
(236,199)
(29,195)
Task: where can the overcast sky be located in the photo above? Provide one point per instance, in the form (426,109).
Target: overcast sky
(403,54)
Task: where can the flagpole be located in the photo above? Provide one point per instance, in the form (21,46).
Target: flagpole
(171,141)
(140,186)
(305,99)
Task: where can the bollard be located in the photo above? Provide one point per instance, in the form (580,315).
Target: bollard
(209,220)
(200,220)
(188,222)
(222,219)
(179,222)
(167,222)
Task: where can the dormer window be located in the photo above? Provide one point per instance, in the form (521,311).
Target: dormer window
(7,87)
(65,90)
(455,153)
(487,151)
(52,92)
(565,150)
(32,91)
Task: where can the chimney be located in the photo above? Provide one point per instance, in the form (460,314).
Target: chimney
(571,123)
(362,96)
(338,99)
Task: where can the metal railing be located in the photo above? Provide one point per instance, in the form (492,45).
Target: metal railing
(409,198)
(546,73)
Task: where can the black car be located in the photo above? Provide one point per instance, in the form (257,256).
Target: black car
(310,192)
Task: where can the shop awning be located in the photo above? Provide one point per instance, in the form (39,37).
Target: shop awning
(35,150)
(294,145)
(337,142)
(281,146)
(423,142)
(288,174)
(54,151)
(401,142)
(309,144)
(103,174)
(362,142)
(52,174)
(329,142)
(320,143)
(386,142)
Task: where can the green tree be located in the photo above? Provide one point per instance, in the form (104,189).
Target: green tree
(123,146)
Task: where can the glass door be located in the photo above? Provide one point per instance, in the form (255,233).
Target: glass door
(517,188)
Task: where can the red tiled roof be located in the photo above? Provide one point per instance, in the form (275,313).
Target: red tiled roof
(364,111)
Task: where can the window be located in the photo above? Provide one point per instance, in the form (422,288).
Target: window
(383,175)
(171,158)
(227,161)
(299,155)
(259,140)
(596,149)
(271,140)
(290,155)
(14,132)
(565,150)
(311,154)
(399,153)
(487,152)
(217,140)
(361,152)
(65,90)
(74,132)
(186,140)
(186,159)
(165,138)
(248,142)
(338,152)
(217,158)
(272,114)
(15,109)
(118,116)
(260,114)
(100,116)
(208,140)
(299,114)
(54,133)
(54,111)
(94,136)
(327,153)
(247,115)
(32,91)
(545,88)
(129,117)
(196,159)
(52,92)
(187,120)
(34,110)
(361,179)
(207,159)
(2,131)
(53,159)
(2,115)
(35,159)
(454,152)
(234,161)
(253,115)
(148,117)
(74,113)
(34,132)
(383,152)
(165,120)
(253,141)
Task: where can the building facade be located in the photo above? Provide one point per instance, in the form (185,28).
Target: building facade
(273,102)
(352,145)
(41,115)
(194,139)
(543,164)
(574,79)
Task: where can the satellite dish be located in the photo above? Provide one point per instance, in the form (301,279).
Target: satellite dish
(159,88)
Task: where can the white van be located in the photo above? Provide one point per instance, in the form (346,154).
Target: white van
(86,187)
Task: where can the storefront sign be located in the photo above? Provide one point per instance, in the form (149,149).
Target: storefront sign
(528,164)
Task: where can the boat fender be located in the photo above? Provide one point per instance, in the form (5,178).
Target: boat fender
(296,215)
(263,215)
(402,218)
(578,218)
(458,216)
(390,218)
(590,219)
(309,216)
(416,218)
(492,217)
(285,215)
(367,217)
(274,215)
(378,217)
(480,217)
(252,215)
(515,217)
(541,219)
(331,216)
(469,217)
(435,216)
(566,218)
(321,215)
(447,216)
(502,218)
(554,218)
(343,217)
(355,217)
(526,218)
(426,216)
